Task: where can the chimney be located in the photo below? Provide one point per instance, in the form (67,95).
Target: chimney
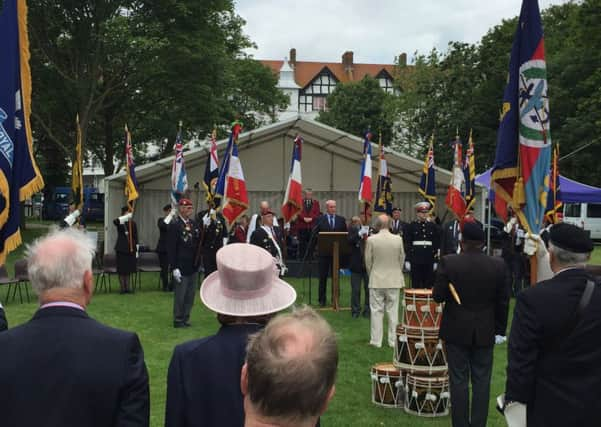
(347,61)
(403,59)
(293,58)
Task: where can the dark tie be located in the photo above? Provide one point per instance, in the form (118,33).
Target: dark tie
(332,222)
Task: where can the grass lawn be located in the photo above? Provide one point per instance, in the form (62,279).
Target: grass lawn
(149,313)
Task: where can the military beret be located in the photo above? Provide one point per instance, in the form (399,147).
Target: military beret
(396,209)
(185,202)
(472,231)
(422,207)
(570,238)
(167,207)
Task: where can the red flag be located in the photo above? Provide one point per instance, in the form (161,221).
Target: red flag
(294,197)
(235,196)
(455,201)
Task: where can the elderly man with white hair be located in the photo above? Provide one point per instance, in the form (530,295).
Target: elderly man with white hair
(63,368)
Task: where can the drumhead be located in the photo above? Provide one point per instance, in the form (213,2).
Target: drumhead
(434,381)
(418,292)
(386,368)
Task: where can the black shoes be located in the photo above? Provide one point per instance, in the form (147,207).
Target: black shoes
(181,325)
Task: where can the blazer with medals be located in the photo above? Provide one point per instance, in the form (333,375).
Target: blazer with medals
(182,245)
(63,368)
(559,383)
(261,238)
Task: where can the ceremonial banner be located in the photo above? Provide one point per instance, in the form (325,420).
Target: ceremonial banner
(225,165)
(427,184)
(131,183)
(520,176)
(469,172)
(293,198)
(77,172)
(19,174)
(365,195)
(384,185)
(554,203)
(179,179)
(235,197)
(454,200)
(211,172)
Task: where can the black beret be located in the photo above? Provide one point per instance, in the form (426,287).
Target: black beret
(396,209)
(473,231)
(570,238)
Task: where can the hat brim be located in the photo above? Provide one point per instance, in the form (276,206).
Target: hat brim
(280,296)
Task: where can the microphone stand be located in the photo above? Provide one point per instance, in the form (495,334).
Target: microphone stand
(309,251)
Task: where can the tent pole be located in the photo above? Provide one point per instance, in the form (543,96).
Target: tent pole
(488,221)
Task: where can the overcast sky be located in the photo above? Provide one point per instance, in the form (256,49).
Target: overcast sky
(375,30)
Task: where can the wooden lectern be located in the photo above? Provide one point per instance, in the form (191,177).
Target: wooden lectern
(334,244)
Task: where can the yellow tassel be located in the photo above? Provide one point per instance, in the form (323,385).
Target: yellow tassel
(519,196)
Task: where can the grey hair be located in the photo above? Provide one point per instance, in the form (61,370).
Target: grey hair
(59,259)
(566,258)
(382,221)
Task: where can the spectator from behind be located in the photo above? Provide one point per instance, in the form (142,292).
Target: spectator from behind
(290,370)
(62,368)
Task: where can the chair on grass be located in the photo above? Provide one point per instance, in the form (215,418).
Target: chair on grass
(148,262)
(6,280)
(22,279)
(109,266)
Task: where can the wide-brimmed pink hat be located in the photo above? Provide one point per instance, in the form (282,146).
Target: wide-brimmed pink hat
(246,283)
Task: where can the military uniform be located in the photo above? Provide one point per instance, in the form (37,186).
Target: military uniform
(182,246)
(212,236)
(262,238)
(422,240)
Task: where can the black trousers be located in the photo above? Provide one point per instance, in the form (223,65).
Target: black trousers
(209,261)
(465,363)
(325,269)
(303,241)
(422,275)
(164,263)
(356,279)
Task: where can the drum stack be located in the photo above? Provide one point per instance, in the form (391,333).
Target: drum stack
(417,379)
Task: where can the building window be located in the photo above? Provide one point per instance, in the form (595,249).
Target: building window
(313,96)
(386,83)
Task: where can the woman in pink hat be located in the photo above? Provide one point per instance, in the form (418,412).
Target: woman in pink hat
(203,383)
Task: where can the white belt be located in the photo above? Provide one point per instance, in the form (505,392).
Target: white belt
(422,243)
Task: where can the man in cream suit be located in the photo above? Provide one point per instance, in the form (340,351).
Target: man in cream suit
(384,258)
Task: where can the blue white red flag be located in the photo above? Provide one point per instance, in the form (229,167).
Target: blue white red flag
(235,196)
(131,182)
(293,198)
(209,181)
(454,200)
(365,195)
(384,186)
(520,176)
(427,183)
(469,172)
(179,179)
(19,174)
(225,164)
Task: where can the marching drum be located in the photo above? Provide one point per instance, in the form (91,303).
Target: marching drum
(387,387)
(419,350)
(427,396)
(420,309)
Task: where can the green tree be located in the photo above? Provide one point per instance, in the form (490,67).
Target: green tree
(355,107)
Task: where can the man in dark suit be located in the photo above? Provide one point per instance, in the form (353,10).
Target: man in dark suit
(422,240)
(554,357)
(3,321)
(449,242)
(357,235)
(397,226)
(327,222)
(306,221)
(63,368)
(161,249)
(213,236)
(472,320)
(203,383)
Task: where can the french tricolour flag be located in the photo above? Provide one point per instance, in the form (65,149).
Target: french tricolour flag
(293,198)
(455,200)
(235,196)
(365,195)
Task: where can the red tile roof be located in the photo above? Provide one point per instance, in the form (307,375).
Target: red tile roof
(306,71)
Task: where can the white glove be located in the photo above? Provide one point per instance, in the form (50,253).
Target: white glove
(500,339)
(362,232)
(532,243)
(225,239)
(169,217)
(124,218)
(509,225)
(287,226)
(206,220)
(177,275)
(70,219)
(435,266)
(407,266)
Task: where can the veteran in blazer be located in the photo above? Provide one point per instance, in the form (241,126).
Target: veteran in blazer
(554,357)
(63,368)
(384,258)
(471,322)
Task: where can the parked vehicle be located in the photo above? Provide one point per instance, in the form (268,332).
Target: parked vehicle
(56,204)
(585,215)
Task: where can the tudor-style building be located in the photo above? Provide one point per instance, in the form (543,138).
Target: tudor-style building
(309,83)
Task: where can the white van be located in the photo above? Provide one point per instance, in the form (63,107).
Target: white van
(585,215)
